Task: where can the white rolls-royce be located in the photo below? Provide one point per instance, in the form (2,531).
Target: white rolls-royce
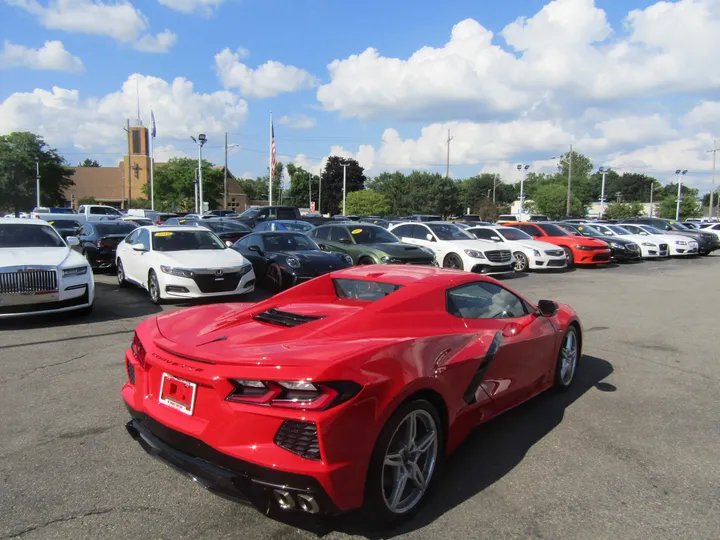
(39,272)
(182,262)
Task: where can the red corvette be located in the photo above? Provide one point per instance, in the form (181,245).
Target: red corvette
(345,391)
(578,249)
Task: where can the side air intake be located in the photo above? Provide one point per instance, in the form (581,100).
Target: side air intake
(285,318)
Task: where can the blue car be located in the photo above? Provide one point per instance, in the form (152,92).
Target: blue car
(284,225)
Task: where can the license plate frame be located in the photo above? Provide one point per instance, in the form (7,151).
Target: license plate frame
(170,397)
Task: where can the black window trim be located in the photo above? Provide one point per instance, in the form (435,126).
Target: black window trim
(525,304)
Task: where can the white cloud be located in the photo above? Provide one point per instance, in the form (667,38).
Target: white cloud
(268,80)
(565,53)
(191,6)
(63,117)
(51,56)
(119,20)
(705,115)
(166,152)
(298,121)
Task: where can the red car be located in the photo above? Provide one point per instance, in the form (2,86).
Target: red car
(578,249)
(345,391)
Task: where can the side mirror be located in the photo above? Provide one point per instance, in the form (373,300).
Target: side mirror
(429,237)
(255,248)
(228,243)
(496,239)
(72,241)
(140,247)
(547,308)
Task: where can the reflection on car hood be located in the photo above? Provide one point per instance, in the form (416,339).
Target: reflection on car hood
(398,249)
(535,244)
(41,256)
(202,258)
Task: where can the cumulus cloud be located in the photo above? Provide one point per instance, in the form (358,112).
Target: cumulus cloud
(298,121)
(63,117)
(119,20)
(566,51)
(168,151)
(268,80)
(51,56)
(705,115)
(192,6)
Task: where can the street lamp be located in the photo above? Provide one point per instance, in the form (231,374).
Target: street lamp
(344,166)
(37,182)
(604,171)
(200,141)
(524,170)
(679,174)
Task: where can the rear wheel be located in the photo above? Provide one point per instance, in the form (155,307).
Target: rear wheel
(521,262)
(404,462)
(453,261)
(154,288)
(122,282)
(569,257)
(567,359)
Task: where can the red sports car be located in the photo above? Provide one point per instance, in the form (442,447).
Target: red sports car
(578,249)
(345,391)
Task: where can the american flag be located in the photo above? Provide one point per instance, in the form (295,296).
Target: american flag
(273,162)
(152,117)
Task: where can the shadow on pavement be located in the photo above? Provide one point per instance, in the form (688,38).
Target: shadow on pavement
(489,453)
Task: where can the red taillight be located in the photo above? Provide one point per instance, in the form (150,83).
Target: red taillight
(293,394)
(138,350)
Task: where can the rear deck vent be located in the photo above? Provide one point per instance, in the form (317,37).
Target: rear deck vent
(285,318)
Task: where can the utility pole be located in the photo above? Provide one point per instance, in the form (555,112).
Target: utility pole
(225,191)
(344,166)
(447,165)
(712,188)
(309,189)
(127,176)
(37,182)
(319,211)
(494,183)
(569,182)
(604,172)
(652,190)
(200,142)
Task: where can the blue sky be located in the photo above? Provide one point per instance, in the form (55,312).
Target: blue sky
(602,75)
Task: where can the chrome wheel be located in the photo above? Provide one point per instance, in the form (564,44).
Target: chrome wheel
(521,262)
(120,273)
(453,261)
(409,462)
(154,288)
(568,358)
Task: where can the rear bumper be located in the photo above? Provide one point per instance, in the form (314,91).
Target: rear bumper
(225,475)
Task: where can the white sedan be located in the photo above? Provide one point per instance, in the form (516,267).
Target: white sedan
(650,247)
(182,262)
(711,228)
(39,272)
(678,246)
(530,254)
(455,248)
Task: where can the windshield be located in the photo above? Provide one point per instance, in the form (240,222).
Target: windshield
(115,227)
(186,240)
(510,233)
(225,226)
(651,229)
(288,242)
(296,225)
(250,213)
(553,230)
(372,234)
(14,235)
(618,230)
(587,230)
(448,231)
(65,224)
(679,226)
(359,289)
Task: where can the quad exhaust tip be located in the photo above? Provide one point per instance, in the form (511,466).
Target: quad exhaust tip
(308,504)
(286,501)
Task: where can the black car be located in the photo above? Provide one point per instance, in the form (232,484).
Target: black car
(707,242)
(282,259)
(375,221)
(227,230)
(253,216)
(66,227)
(621,250)
(99,240)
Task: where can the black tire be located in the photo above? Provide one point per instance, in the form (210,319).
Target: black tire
(521,262)
(569,256)
(365,261)
(122,282)
(273,278)
(376,486)
(453,261)
(154,288)
(563,380)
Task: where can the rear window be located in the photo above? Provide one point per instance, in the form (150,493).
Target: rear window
(505,217)
(360,289)
(286,213)
(115,227)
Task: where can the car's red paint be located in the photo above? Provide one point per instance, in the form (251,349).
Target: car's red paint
(594,252)
(402,344)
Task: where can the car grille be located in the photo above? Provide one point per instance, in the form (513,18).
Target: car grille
(663,247)
(28,281)
(554,252)
(299,438)
(208,283)
(556,262)
(601,257)
(424,261)
(498,256)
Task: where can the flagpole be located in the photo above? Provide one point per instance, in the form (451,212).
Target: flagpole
(152,162)
(270,169)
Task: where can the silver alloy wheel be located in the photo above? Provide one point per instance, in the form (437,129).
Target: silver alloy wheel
(120,273)
(409,462)
(568,358)
(153,288)
(453,261)
(521,262)
(274,276)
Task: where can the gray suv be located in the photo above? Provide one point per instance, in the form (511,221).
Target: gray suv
(707,242)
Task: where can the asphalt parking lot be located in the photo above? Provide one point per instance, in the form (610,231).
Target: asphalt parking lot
(632,451)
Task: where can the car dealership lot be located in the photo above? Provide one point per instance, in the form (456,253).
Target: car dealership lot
(630,451)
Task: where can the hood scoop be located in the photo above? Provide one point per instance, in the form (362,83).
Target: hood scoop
(285,318)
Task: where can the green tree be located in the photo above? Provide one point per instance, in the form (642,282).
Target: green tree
(299,192)
(141,203)
(332,182)
(620,210)
(18,154)
(476,189)
(397,190)
(689,205)
(551,200)
(367,202)
(174,185)
(87,162)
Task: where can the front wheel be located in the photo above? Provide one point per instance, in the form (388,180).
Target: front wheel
(567,359)
(273,278)
(453,261)
(569,257)
(365,261)
(154,288)
(404,462)
(521,262)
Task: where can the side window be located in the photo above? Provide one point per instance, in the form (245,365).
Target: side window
(339,234)
(144,238)
(263,214)
(81,209)
(484,300)
(532,231)
(262,226)
(484,234)
(132,238)
(286,213)
(87,230)
(403,231)
(246,241)
(420,232)
(321,233)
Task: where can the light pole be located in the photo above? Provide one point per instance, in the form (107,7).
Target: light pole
(195,190)
(523,170)
(309,189)
(494,184)
(200,141)
(37,182)
(712,186)
(344,166)
(652,191)
(604,171)
(680,174)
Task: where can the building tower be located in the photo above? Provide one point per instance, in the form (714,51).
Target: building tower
(138,163)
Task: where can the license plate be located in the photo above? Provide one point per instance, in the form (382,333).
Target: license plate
(178,394)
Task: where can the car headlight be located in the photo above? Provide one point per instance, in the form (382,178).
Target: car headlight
(584,248)
(245,269)
(474,254)
(347,258)
(179,272)
(385,260)
(680,243)
(537,253)
(649,244)
(616,245)
(292,262)
(75,271)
